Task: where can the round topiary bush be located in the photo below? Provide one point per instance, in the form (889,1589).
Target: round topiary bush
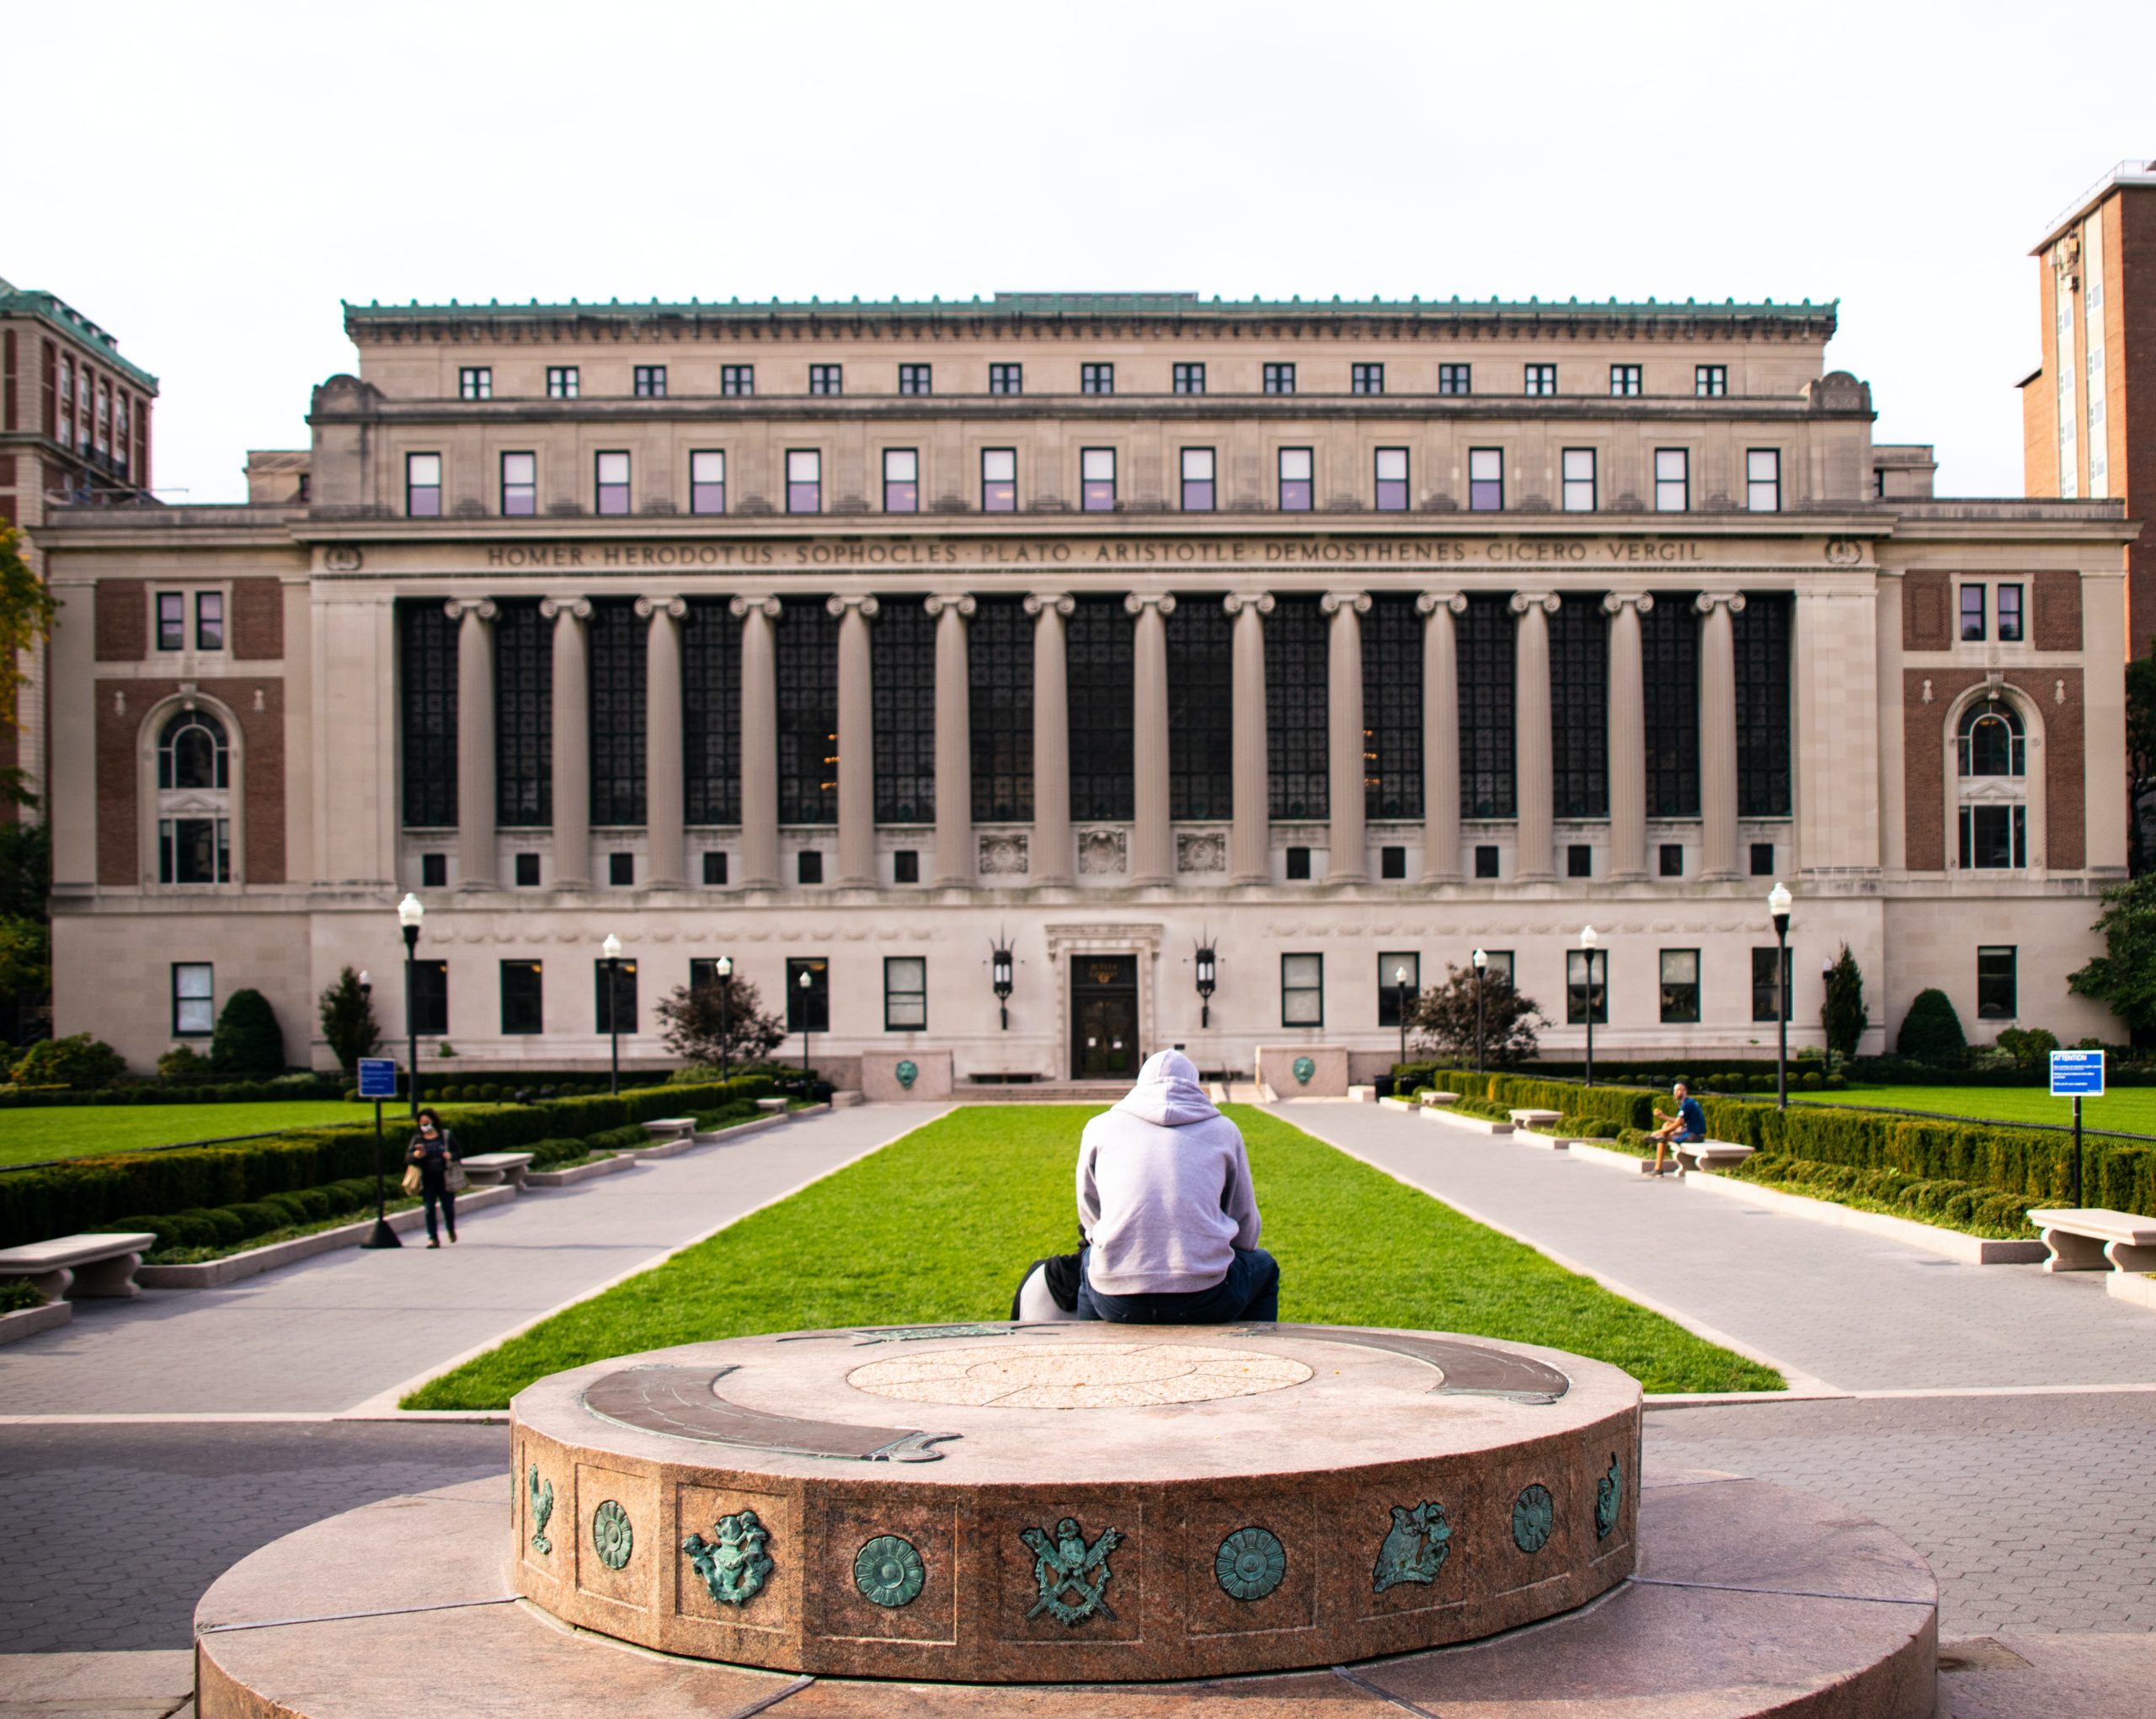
(248,1043)
(490,1091)
(1931,1032)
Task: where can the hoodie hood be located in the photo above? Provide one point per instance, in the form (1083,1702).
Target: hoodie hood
(1168,1092)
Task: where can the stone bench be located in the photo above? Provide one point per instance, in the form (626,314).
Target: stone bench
(1706,1154)
(666,1129)
(1542,1121)
(79,1267)
(2082,1238)
(770,1105)
(487,1169)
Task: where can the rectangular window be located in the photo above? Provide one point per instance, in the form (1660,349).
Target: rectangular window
(520,485)
(1006,379)
(1485,859)
(434,871)
(523,997)
(1996,999)
(209,620)
(193,1001)
(1392,864)
(714,869)
(475,383)
(826,379)
(1762,480)
(901,481)
(1994,838)
(804,481)
(614,1002)
(1579,859)
(1709,381)
(1585,986)
(650,382)
(1763,859)
(1190,378)
(1298,865)
(1096,480)
(998,480)
(1624,379)
(1539,379)
(1366,379)
(905,864)
(171,620)
(621,870)
(905,993)
(1302,990)
(808,1006)
(707,481)
(2010,614)
(1197,480)
(430,998)
(1500,969)
(1579,480)
(1097,379)
(1391,494)
(1296,480)
(422,486)
(808,866)
(527,871)
(1673,480)
(1766,995)
(1672,859)
(1455,378)
(1972,614)
(1279,378)
(1397,974)
(1485,480)
(916,379)
(610,473)
(560,381)
(1680,985)
(737,379)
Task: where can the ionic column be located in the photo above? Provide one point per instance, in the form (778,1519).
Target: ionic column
(664,797)
(476,862)
(1628,736)
(954,749)
(1152,844)
(1347,861)
(1441,735)
(1250,837)
(1534,784)
(1050,859)
(572,700)
(1718,733)
(856,743)
(758,741)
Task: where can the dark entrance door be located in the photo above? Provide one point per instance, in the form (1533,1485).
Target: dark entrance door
(1103,1016)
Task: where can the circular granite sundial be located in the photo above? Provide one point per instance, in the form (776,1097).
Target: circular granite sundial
(1004,1503)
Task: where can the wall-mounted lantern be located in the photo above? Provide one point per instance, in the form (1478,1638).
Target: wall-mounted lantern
(1206,979)
(1000,975)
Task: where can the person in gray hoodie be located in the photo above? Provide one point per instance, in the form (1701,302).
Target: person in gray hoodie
(1165,1204)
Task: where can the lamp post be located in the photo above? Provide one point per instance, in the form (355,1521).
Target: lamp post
(1000,977)
(806,984)
(1481,959)
(1778,901)
(1400,985)
(1208,979)
(723,967)
(1826,996)
(611,948)
(382,1235)
(1587,941)
(410,916)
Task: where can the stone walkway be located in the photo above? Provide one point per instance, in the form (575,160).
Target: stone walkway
(348,1328)
(1853,1312)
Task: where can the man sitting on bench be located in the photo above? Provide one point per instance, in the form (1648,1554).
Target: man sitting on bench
(1687,1128)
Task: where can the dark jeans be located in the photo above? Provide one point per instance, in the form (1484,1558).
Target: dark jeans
(1250,1291)
(433,1190)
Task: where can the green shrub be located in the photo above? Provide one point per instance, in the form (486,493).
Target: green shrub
(247,1041)
(2030,1047)
(17,1295)
(80,1062)
(1931,1032)
(546,1153)
(183,1063)
(489,1091)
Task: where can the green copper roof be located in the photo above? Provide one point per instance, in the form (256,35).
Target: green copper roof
(51,307)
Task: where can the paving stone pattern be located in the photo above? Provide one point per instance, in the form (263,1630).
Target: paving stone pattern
(1858,1311)
(333,1331)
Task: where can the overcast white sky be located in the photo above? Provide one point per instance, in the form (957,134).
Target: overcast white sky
(208,181)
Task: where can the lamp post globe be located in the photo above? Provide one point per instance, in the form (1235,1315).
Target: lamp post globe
(1480,958)
(411,914)
(1589,938)
(1400,984)
(1778,905)
(805,986)
(612,949)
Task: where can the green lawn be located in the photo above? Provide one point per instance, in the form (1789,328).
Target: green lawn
(2129,1110)
(937,1228)
(76,1131)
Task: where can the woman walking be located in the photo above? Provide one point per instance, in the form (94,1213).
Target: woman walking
(435,1156)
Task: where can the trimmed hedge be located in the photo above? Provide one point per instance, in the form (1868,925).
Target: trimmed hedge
(192,1092)
(90,1193)
(1627,1106)
(1960,1205)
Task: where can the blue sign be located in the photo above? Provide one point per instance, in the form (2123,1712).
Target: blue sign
(2076,1074)
(377,1077)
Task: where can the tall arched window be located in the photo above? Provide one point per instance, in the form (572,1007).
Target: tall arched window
(194,841)
(1991,752)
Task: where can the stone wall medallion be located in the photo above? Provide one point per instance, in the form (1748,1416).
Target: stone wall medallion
(611,1535)
(908,1072)
(887,1571)
(1073,1575)
(542,1507)
(1249,1563)
(1533,1513)
(733,1565)
(1201,852)
(1609,1494)
(1304,1068)
(1101,852)
(1003,856)
(1415,1546)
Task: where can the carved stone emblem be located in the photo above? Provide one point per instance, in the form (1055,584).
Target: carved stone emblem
(1249,1563)
(1003,856)
(734,1564)
(1073,1575)
(1303,1068)
(1415,1546)
(1203,851)
(889,1570)
(908,1072)
(542,1507)
(611,1535)
(1844,551)
(1101,852)
(342,558)
(1533,1512)
(1609,1495)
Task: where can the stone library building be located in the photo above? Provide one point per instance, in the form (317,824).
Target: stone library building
(1008,688)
